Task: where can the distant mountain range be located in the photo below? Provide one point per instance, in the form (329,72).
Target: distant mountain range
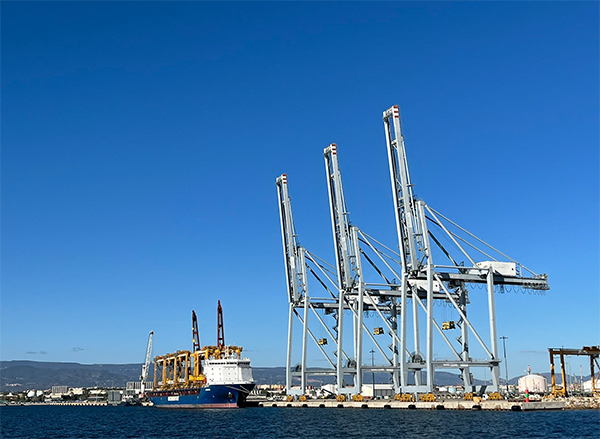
(21,375)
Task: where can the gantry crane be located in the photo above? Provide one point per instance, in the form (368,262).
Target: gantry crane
(423,283)
(590,351)
(446,279)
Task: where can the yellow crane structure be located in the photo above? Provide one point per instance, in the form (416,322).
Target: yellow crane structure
(591,351)
(184,369)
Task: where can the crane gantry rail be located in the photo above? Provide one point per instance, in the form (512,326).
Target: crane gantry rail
(428,272)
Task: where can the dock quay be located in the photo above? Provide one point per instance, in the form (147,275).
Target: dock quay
(437,405)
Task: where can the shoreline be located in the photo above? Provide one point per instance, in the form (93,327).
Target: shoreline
(566,404)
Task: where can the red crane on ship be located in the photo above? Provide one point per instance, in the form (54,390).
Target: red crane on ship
(220,336)
(195,333)
(220,330)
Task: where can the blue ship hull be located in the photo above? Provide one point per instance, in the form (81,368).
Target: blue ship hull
(212,396)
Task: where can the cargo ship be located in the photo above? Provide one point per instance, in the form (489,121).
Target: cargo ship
(207,377)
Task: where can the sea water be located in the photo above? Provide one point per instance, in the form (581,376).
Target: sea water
(282,422)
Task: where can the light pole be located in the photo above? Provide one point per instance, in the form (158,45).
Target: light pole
(373,372)
(503,338)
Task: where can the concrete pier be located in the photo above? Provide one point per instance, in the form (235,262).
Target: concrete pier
(436,405)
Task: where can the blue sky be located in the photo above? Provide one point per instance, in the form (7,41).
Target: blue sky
(141,142)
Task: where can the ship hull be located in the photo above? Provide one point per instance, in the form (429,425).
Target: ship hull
(211,396)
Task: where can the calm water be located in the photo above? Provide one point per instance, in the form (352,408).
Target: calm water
(279,422)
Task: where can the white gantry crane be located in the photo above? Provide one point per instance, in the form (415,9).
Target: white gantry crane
(435,264)
(146,365)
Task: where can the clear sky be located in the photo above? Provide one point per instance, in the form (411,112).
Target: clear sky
(141,142)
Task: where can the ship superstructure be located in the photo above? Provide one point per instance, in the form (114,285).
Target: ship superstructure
(207,377)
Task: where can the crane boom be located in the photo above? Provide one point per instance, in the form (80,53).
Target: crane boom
(195,333)
(344,250)
(293,253)
(406,215)
(146,366)
(220,330)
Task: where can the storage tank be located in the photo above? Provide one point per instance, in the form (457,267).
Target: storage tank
(533,382)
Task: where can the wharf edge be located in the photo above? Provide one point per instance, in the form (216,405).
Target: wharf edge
(440,405)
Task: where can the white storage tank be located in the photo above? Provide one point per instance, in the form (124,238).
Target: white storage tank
(533,382)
